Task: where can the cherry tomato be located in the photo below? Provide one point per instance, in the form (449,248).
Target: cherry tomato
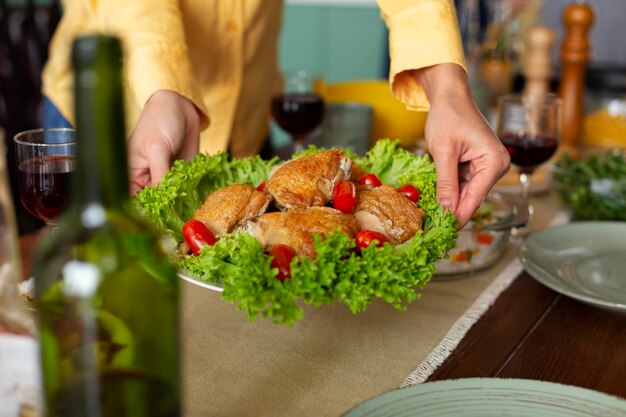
(465,256)
(197,235)
(261,186)
(410,192)
(484,238)
(281,260)
(370,179)
(365,238)
(344,196)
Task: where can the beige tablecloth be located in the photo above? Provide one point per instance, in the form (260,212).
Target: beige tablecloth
(329,362)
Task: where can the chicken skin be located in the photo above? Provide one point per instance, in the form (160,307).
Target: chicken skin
(383,209)
(295,227)
(228,208)
(308,181)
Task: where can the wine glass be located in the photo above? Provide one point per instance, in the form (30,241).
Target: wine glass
(299,109)
(45,166)
(530,129)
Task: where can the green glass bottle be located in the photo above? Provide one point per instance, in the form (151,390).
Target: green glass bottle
(106,293)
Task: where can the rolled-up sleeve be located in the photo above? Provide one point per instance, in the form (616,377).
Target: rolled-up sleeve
(422,33)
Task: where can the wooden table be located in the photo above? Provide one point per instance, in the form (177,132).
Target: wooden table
(530,332)
(533,332)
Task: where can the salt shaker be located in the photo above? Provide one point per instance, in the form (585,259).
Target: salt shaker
(537,66)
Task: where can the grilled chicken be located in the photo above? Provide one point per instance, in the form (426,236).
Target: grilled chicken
(308,181)
(228,208)
(385,210)
(295,227)
(356,172)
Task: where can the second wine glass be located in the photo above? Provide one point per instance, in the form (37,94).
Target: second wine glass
(530,129)
(45,160)
(299,109)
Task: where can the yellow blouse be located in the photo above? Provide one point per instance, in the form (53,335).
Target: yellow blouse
(222,55)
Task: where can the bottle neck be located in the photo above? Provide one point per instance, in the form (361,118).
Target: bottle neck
(101,177)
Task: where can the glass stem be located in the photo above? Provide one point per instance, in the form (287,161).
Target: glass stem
(298,143)
(524,179)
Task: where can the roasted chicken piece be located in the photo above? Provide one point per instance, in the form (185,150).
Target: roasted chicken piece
(383,209)
(356,172)
(308,181)
(228,208)
(295,227)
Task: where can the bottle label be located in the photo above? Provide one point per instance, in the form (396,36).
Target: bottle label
(20,380)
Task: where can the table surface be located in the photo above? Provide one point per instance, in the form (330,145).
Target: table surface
(530,332)
(533,332)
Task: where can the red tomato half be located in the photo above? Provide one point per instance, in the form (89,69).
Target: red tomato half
(410,192)
(281,259)
(370,179)
(197,235)
(261,186)
(365,238)
(344,196)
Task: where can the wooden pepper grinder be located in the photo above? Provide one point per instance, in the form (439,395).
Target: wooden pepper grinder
(537,66)
(578,18)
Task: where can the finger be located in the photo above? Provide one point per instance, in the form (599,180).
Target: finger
(135,187)
(468,204)
(191,145)
(446,161)
(138,178)
(473,195)
(159,165)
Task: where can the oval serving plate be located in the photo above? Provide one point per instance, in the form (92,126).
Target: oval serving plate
(491,397)
(189,277)
(583,260)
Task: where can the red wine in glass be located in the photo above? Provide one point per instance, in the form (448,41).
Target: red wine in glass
(298,113)
(528,152)
(44,185)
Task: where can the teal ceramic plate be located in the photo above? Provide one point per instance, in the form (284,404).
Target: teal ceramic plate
(491,397)
(582,260)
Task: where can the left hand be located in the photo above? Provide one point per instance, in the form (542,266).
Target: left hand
(168,129)
(468,155)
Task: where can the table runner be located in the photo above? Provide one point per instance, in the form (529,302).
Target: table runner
(332,360)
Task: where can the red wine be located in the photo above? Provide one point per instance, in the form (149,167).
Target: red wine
(527,152)
(298,113)
(44,185)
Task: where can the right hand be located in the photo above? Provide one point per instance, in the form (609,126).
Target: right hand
(168,129)
(468,155)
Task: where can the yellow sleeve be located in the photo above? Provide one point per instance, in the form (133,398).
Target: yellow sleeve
(422,33)
(153,38)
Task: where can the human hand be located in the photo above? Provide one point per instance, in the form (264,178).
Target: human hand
(168,129)
(468,155)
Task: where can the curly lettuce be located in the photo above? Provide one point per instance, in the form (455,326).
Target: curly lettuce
(238,263)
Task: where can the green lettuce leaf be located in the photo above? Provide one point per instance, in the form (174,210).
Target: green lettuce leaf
(340,273)
(175,199)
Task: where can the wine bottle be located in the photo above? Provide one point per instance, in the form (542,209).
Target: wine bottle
(106,292)
(20,381)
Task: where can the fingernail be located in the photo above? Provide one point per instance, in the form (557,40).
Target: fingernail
(446,203)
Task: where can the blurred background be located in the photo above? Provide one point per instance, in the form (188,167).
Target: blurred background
(345,41)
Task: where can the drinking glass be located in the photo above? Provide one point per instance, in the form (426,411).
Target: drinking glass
(530,129)
(45,165)
(299,109)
